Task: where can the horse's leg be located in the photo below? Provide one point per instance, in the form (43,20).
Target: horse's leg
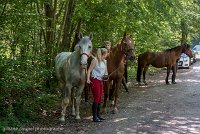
(86,90)
(112,93)
(65,101)
(77,102)
(168,72)
(140,69)
(77,99)
(124,84)
(116,95)
(174,74)
(111,90)
(125,78)
(106,95)
(126,72)
(144,75)
(72,100)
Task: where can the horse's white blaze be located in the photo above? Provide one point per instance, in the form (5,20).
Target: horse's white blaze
(84,59)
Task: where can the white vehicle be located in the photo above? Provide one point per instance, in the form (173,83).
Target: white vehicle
(193,59)
(196,50)
(184,61)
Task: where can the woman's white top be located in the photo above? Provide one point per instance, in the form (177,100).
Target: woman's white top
(99,69)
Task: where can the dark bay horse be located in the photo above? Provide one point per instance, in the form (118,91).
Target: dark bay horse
(115,65)
(70,68)
(166,58)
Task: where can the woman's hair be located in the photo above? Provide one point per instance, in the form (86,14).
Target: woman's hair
(107,42)
(100,52)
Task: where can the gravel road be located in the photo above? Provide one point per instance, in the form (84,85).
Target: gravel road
(153,109)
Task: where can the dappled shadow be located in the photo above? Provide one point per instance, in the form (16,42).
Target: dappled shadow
(155,108)
(159,123)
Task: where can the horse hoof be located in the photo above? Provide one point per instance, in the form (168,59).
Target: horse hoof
(73,114)
(174,82)
(167,83)
(78,118)
(115,111)
(62,119)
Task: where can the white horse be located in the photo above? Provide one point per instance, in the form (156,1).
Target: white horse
(70,68)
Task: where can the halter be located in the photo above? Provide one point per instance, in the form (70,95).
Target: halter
(125,52)
(85,68)
(85,54)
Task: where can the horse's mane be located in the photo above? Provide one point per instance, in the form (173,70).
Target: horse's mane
(75,42)
(171,49)
(76,48)
(113,49)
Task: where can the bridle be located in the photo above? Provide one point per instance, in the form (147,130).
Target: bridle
(85,54)
(125,51)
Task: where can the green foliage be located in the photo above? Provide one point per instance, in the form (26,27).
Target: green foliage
(23,91)
(26,60)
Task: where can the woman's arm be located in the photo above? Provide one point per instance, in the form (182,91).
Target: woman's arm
(92,65)
(106,72)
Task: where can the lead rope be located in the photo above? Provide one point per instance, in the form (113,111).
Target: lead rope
(107,77)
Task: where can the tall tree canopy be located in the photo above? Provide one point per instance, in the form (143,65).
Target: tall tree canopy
(32,32)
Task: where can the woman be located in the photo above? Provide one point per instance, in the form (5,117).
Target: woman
(107,45)
(96,71)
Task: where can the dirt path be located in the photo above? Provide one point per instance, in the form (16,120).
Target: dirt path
(155,109)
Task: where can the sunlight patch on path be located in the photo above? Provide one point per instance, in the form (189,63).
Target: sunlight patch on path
(198,68)
(120,119)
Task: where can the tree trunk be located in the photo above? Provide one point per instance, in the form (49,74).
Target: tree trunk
(77,31)
(67,26)
(184,32)
(50,27)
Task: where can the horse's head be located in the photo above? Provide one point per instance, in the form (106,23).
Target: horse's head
(127,47)
(85,46)
(187,50)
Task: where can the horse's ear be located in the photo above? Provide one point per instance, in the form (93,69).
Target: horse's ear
(91,36)
(76,47)
(77,36)
(80,35)
(125,33)
(131,36)
(185,44)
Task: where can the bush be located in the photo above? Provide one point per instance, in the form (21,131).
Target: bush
(23,91)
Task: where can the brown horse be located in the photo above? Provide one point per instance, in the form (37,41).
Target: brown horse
(115,65)
(166,58)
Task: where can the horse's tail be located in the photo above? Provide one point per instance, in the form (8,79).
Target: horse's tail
(139,71)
